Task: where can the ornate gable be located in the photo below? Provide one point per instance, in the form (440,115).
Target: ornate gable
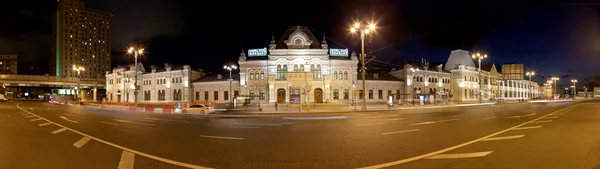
(298,40)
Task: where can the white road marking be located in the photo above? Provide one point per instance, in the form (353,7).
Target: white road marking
(558,114)
(551,117)
(503,138)
(81,142)
(64,118)
(396,119)
(529,115)
(35,119)
(422,156)
(126,161)
(24,114)
(315,118)
(397,132)
(369,124)
(513,117)
(247,127)
(432,122)
(542,121)
(151,118)
(43,124)
(525,128)
(30,108)
(220,137)
(132,122)
(177,163)
(109,123)
(454,116)
(487,118)
(29,116)
(390,115)
(58,131)
(461,155)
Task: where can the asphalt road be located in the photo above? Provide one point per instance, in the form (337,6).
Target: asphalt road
(41,135)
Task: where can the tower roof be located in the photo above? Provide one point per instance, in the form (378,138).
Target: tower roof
(458,57)
(294,30)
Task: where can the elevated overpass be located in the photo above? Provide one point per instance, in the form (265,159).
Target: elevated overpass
(27,86)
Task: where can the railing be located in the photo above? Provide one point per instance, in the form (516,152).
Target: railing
(42,78)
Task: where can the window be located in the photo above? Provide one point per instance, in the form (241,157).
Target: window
(345,75)
(296,68)
(235,93)
(335,75)
(262,94)
(336,94)
(197,95)
(216,95)
(226,95)
(370,94)
(256,76)
(262,75)
(389,92)
(251,75)
(285,69)
(360,94)
(251,93)
(380,93)
(346,97)
(301,68)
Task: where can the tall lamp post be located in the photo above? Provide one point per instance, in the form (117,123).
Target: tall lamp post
(555,80)
(574,88)
(530,73)
(78,69)
(230,68)
(412,74)
(364,31)
(479,57)
(135,52)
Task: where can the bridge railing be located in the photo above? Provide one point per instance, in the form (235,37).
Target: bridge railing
(49,78)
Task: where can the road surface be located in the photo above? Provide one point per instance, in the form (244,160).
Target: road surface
(527,135)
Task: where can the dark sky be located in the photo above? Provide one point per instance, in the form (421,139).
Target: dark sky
(551,37)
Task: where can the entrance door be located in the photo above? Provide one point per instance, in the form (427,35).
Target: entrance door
(318,95)
(280,95)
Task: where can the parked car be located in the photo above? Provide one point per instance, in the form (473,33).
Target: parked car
(198,109)
(3,98)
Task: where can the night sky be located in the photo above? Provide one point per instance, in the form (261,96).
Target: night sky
(551,37)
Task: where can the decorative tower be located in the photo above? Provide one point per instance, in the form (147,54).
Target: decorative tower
(272,45)
(324,43)
(242,56)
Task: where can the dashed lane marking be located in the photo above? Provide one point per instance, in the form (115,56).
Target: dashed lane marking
(221,137)
(109,123)
(81,142)
(525,128)
(58,131)
(503,138)
(396,119)
(487,118)
(173,162)
(126,161)
(29,116)
(35,119)
(461,155)
(551,117)
(398,132)
(414,158)
(43,124)
(432,122)
(246,127)
(133,122)
(67,119)
(541,121)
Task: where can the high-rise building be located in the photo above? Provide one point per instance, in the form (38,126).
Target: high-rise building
(80,37)
(8,64)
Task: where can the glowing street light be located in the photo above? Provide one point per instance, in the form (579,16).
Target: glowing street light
(530,73)
(230,68)
(555,80)
(364,31)
(574,88)
(479,57)
(79,69)
(136,52)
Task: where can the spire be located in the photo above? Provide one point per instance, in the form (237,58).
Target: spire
(242,56)
(324,42)
(272,45)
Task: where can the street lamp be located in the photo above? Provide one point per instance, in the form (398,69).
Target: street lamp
(479,57)
(530,73)
(364,31)
(230,68)
(78,69)
(574,88)
(412,74)
(555,80)
(135,52)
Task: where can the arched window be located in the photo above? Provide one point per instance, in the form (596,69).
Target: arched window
(335,75)
(256,76)
(251,75)
(262,75)
(345,75)
(346,94)
(336,94)
(318,72)
(285,69)
(301,68)
(278,75)
(295,67)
